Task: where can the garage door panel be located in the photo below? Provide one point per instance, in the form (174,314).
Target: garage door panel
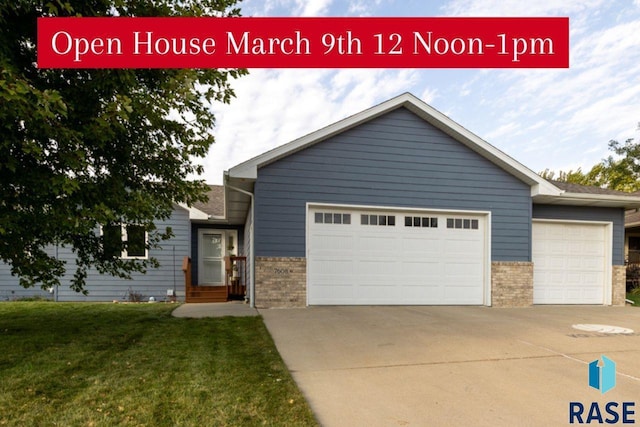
(331,267)
(463,269)
(426,269)
(424,263)
(380,245)
(452,295)
(423,245)
(339,292)
(570,261)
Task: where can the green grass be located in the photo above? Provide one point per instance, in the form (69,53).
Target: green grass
(634,296)
(65,364)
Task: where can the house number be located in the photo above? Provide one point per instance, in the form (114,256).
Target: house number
(281,271)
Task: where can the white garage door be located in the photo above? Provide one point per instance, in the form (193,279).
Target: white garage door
(395,257)
(570,262)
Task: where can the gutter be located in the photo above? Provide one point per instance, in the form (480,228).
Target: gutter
(252,275)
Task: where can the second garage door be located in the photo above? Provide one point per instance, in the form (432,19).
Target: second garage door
(570,263)
(394,257)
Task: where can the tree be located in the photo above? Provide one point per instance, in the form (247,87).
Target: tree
(81,149)
(620,173)
(576,177)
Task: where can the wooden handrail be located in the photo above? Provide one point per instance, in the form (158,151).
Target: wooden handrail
(186,267)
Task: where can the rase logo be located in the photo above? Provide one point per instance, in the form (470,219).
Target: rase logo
(602,378)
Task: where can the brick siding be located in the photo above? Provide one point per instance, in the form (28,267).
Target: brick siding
(511,284)
(619,285)
(281,282)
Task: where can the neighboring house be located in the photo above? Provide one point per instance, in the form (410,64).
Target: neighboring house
(397,204)
(632,236)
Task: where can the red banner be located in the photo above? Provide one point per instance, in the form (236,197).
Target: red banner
(303,42)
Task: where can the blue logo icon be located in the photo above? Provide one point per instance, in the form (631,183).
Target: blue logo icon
(603,377)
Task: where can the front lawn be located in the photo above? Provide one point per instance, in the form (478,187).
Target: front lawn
(67,364)
(634,296)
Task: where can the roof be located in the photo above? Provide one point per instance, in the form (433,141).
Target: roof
(570,187)
(212,209)
(586,195)
(543,191)
(214,206)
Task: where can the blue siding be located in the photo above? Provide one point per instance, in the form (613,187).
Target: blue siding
(101,287)
(581,213)
(396,160)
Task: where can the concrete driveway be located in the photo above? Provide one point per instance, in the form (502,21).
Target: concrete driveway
(462,366)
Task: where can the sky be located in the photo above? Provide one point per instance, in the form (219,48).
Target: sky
(558,119)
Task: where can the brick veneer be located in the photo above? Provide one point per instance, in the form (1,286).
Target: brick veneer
(511,284)
(281,282)
(619,285)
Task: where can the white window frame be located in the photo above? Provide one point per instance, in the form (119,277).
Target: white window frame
(125,238)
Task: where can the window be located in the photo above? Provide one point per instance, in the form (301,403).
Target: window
(124,241)
(331,218)
(424,222)
(463,223)
(384,220)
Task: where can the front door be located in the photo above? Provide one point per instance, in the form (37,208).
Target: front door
(214,245)
(212,258)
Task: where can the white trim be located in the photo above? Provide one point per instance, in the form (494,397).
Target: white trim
(487,236)
(488,288)
(195,214)
(124,237)
(585,199)
(252,268)
(393,208)
(608,263)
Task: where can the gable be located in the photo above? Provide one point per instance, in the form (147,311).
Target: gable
(394,160)
(397,150)
(385,137)
(539,186)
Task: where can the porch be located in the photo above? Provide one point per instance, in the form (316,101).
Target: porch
(234,287)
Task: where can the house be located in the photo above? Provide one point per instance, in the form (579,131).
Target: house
(632,236)
(397,204)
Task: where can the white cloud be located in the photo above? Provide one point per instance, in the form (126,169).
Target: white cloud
(518,7)
(274,107)
(313,7)
(560,118)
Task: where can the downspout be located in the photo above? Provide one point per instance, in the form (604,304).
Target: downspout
(252,287)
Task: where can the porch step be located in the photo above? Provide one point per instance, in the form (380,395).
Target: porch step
(206,294)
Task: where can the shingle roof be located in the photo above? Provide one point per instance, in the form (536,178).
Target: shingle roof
(215,205)
(588,189)
(632,217)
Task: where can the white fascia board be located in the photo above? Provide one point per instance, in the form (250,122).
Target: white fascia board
(195,214)
(596,200)
(539,185)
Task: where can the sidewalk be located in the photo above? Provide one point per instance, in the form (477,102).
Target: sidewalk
(215,309)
